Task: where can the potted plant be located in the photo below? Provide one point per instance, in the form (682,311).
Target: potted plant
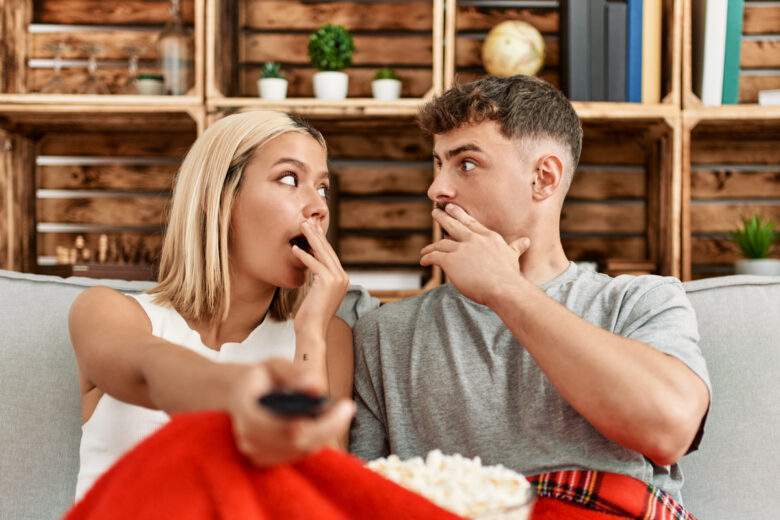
(755,238)
(386,85)
(330,51)
(272,84)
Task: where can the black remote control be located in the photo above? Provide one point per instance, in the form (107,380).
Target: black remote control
(293,404)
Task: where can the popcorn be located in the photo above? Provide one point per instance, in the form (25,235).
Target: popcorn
(459,484)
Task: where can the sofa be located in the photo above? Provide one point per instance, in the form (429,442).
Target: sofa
(732,475)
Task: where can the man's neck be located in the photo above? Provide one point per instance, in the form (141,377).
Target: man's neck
(544,260)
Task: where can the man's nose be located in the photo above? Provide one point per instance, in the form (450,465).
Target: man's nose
(441,189)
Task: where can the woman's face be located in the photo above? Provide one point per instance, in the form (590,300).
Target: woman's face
(285,183)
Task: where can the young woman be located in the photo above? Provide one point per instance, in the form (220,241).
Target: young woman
(246,275)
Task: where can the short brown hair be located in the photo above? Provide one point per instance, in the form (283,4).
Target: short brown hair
(524,107)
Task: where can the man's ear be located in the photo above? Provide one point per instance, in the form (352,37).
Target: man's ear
(547,177)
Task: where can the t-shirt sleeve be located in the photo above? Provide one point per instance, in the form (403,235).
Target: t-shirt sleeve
(356,303)
(368,435)
(664,318)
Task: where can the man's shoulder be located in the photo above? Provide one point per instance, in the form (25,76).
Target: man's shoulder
(402,312)
(628,286)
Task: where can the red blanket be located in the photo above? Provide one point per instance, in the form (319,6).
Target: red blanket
(191,469)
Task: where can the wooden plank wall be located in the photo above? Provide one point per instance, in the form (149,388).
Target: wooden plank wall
(606,213)
(16,208)
(117,183)
(760,57)
(397,34)
(732,176)
(113,25)
(384,214)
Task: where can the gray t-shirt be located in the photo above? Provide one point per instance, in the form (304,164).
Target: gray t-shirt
(440,371)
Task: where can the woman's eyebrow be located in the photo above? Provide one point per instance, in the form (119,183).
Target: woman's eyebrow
(294,162)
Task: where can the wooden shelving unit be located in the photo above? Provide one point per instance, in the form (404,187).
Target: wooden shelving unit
(641,181)
(730,159)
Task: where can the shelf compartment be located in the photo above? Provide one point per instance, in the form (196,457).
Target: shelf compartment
(243,34)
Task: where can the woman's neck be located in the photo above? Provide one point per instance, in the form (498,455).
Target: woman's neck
(249,305)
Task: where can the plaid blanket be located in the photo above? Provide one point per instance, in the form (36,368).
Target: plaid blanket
(610,493)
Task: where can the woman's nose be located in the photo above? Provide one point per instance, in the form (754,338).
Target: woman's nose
(316,207)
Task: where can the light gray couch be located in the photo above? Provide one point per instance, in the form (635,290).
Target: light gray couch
(733,475)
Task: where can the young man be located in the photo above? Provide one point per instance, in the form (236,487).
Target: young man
(523,358)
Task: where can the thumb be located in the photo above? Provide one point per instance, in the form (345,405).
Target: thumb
(521,245)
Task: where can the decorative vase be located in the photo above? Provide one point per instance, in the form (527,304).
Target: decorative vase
(175,53)
(272,88)
(386,89)
(331,85)
(758,266)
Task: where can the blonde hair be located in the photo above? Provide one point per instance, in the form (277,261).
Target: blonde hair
(194,276)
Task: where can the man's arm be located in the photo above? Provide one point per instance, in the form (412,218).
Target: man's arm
(632,393)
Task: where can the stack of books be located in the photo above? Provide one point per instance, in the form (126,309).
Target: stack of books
(717,41)
(611,50)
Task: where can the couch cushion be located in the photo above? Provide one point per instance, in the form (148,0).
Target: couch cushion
(40,425)
(734,472)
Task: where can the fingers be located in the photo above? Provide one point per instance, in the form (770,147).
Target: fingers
(460,215)
(445,246)
(521,245)
(455,229)
(320,246)
(432,258)
(310,435)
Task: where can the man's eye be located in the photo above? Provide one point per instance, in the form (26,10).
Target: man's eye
(468,166)
(289,179)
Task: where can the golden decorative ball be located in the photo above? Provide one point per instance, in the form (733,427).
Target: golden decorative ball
(511,48)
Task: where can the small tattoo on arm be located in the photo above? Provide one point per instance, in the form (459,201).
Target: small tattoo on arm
(305,357)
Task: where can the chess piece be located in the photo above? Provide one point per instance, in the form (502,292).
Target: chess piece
(103,249)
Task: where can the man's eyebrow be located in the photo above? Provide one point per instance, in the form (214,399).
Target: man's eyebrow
(459,150)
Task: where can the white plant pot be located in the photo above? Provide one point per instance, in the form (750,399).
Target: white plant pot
(272,88)
(386,89)
(149,87)
(331,85)
(758,266)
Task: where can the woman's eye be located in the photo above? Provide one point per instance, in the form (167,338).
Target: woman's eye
(468,166)
(289,179)
(324,191)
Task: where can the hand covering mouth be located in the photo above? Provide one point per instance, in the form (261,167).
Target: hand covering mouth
(301,242)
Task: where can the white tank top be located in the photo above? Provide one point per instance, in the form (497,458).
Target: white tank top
(115,427)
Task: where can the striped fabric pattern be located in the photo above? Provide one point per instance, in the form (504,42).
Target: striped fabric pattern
(610,493)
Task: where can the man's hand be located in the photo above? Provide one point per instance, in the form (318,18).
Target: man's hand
(477,261)
(267,439)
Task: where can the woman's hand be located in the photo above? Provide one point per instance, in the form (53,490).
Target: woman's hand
(267,439)
(329,283)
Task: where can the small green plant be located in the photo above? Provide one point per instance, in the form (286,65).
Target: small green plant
(272,70)
(385,73)
(755,237)
(331,48)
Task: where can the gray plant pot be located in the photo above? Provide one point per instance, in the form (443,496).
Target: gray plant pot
(758,266)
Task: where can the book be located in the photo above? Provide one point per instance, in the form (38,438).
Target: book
(651,51)
(732,52)
(598,58)
(615,49)
(769,97)
(634,51)
(709,48)
(575,47)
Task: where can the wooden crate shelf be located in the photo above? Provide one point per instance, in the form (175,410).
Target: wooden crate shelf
(467,22)
(242,34)
(89,171)
(759,59)
(731,171)
(30,28)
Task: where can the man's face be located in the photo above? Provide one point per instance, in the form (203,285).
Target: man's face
(487,175)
